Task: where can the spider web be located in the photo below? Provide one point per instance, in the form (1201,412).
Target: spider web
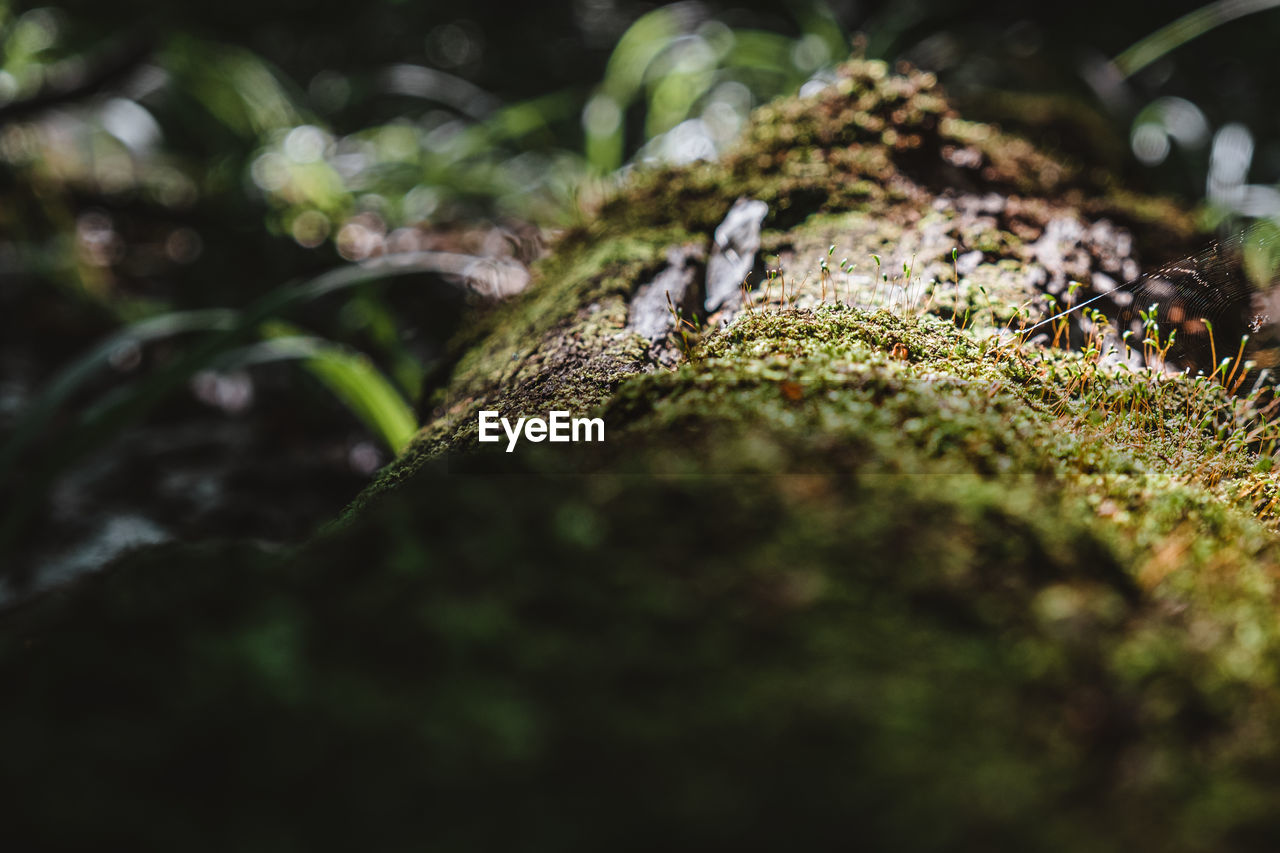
(1208,299)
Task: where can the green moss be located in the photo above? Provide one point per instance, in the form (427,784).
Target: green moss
(867,140)
(805,577)
(562,344)
(844,573)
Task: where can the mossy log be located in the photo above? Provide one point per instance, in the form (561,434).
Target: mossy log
(850,569)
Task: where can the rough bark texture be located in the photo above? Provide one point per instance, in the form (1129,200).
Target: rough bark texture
(856,570)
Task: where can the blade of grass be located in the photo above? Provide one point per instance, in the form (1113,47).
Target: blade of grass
(351,377)
(1184,29)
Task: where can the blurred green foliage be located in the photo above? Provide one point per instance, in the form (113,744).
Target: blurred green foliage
(161,168)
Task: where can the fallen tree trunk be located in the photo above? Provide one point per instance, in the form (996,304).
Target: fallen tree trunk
(849,565)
